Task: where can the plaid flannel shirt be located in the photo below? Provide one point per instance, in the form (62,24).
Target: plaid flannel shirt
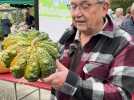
(105,70)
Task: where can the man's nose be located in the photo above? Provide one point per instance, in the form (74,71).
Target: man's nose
(77,12)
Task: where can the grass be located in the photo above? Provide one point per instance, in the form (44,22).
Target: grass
(51,3)
(49,9)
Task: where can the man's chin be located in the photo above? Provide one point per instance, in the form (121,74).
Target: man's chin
(82,29)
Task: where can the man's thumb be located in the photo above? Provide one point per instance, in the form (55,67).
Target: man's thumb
(59,65)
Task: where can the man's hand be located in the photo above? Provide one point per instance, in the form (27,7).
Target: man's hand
(58,78)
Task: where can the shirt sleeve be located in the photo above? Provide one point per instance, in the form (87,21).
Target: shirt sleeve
(119,85)
(124,25)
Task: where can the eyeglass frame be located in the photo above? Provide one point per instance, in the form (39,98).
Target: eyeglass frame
(81,6)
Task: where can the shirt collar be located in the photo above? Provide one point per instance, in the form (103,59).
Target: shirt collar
(77,36)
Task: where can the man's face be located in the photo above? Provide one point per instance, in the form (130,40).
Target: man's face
(87,14)
(119,13)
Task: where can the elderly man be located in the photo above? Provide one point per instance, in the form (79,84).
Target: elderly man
(97,62)
(128,23)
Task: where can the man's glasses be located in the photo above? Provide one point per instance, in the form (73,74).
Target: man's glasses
(82,6)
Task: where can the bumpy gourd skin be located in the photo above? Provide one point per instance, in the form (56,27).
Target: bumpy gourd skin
(4,59)
(32,72)
(46,62)
(18,64)
(50,47)
(29,54)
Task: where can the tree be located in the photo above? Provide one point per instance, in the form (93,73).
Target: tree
(121,4)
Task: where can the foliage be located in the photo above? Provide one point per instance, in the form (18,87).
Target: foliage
(121,3)
(54,9)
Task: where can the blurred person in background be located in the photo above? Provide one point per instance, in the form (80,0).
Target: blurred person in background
(128,12)
(118,17)
(29,20)
(6,25)
(128,23)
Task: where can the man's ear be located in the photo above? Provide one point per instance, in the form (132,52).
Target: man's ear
(105,9)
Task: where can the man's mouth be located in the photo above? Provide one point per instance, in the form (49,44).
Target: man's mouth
(80,22)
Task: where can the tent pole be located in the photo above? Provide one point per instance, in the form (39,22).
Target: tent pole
(36,13)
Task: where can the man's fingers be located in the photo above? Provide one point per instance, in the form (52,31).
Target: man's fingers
(50,78)
(59,65)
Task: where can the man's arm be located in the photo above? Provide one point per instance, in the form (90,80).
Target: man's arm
(119,86)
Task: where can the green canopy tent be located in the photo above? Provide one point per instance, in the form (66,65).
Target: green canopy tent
(25,2)
(19,3)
